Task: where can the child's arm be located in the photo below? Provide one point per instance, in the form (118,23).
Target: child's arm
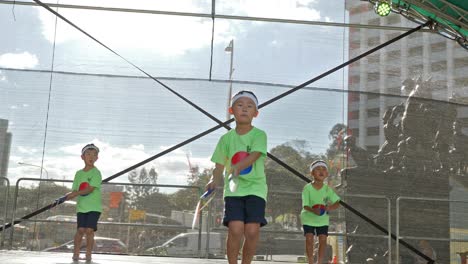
(312,210)
(333,197)
(216,177)
(74,194)
(332,206)
(245,163)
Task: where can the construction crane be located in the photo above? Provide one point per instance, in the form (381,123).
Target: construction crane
(192,170)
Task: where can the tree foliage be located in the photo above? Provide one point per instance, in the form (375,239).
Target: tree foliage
(336,135)
(31,198)
(139,191)
(187,198)
(156,202)
(285,188)
(336,153)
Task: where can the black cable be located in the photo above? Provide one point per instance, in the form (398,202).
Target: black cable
(129,62)
(13,10)
(213,11)
(225,124)
(345,64)
(51,79)
(379,227)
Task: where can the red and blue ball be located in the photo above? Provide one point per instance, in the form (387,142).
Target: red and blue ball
(321,207)
(83,186)
(237,158)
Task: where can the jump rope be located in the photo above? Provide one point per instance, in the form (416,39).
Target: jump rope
(226,123)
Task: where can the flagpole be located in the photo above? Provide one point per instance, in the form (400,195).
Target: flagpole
(230,48)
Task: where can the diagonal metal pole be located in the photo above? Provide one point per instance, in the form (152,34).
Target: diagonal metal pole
(225,124)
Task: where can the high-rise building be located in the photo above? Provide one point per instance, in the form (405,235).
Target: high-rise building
(5,144)
(375,85)
(426,55)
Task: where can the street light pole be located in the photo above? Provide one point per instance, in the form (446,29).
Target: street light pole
(230,48)
(37,166)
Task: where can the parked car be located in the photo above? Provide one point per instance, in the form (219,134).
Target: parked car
(65,218)
(186,245)
(101,245)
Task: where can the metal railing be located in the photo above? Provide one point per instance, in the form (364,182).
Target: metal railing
(389,219)
(104,223)
(336,234)
(210,217)
(4,220)
(398,229)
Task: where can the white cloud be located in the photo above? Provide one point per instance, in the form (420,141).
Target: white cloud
(298,10)
(2,76)
(179,5)
(164,34)
(13,107)
(306,2)
(24,150)
(174,169)
(167,35)
(23,60)
(62,163)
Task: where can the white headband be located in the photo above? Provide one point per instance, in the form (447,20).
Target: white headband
(244,94)
(318,164)
(89,146)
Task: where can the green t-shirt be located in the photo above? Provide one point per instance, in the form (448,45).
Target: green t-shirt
(92,201)
(311,197)
(254,182)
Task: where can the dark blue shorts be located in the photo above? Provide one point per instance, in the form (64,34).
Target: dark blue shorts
(87,220)
(249,209)
(315,230)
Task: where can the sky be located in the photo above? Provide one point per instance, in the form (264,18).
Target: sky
(131,119)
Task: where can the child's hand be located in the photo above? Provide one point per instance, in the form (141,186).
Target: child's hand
(61,199)
(316,211)
(70,195)
(211,185)
(235,171)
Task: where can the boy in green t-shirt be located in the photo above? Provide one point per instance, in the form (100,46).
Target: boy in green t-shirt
(317,200)
(87,187)
(241,154)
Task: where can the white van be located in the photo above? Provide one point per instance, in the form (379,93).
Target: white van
(187,245)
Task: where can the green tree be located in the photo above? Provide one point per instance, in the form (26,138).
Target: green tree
(32,198)
(153,177)
(156,203)
(336,135)
(186,199)
(139,191)
(336,151)
(285,187)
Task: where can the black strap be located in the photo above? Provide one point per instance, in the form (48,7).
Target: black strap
(225,124)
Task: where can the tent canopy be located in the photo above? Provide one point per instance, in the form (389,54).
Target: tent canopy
(451,16)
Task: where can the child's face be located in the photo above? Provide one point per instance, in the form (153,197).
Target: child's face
(244,110)
(89,157)
(319,173)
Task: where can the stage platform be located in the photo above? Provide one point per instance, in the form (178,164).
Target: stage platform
(35,257)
